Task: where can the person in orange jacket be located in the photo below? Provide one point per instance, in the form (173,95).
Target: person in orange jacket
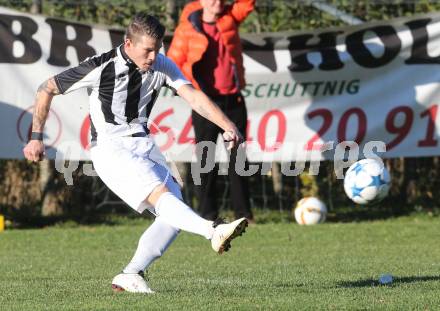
(206,46)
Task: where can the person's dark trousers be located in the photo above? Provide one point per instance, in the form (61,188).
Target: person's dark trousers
(234,107)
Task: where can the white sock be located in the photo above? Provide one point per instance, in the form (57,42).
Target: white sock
(152,244)
(179,215)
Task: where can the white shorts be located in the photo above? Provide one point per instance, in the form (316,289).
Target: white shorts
(132,167)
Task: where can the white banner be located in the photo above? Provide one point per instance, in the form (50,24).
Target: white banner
(306,91)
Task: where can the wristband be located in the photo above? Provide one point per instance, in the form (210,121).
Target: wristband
(36,136)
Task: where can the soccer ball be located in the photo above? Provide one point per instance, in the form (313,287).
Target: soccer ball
(310,211)
(367,181)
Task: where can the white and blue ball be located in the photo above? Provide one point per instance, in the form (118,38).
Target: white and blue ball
(367,181)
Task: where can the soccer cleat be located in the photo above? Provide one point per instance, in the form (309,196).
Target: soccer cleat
(131,282)
(225,233)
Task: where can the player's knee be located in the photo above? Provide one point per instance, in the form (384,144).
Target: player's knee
(156,193)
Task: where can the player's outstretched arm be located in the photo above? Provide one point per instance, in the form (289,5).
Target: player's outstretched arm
(34,150)
(200,103)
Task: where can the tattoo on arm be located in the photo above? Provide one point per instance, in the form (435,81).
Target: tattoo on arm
(43,87)
(49,87)
(40,115)
(43,99)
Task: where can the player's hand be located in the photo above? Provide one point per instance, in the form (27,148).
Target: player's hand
(233,137)
(34,150)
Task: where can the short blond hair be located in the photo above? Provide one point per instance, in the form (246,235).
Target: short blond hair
(145,24)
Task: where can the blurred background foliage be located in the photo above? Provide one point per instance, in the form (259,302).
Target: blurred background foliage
(269,16)
(37,194)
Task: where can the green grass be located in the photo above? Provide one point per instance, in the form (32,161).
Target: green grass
(272,267)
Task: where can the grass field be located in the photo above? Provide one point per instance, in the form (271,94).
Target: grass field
(272,267)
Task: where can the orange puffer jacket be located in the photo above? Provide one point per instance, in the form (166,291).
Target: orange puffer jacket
(189,42)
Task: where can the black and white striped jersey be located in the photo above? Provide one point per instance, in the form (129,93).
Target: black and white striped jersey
(120,96)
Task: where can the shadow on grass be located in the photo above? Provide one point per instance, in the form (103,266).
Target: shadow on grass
(396,281)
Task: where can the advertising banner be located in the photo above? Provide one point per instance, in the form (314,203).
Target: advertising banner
(306,91)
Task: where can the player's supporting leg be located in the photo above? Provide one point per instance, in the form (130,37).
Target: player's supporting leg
(156,239)
(152,245)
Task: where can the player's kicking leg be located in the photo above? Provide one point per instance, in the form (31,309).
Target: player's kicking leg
(152,245)
(179,215)
(225,233)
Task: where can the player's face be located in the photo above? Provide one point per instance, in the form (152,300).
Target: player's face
(214,7)
(143,50)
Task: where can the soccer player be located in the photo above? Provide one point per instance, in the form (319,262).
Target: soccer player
(123,85)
